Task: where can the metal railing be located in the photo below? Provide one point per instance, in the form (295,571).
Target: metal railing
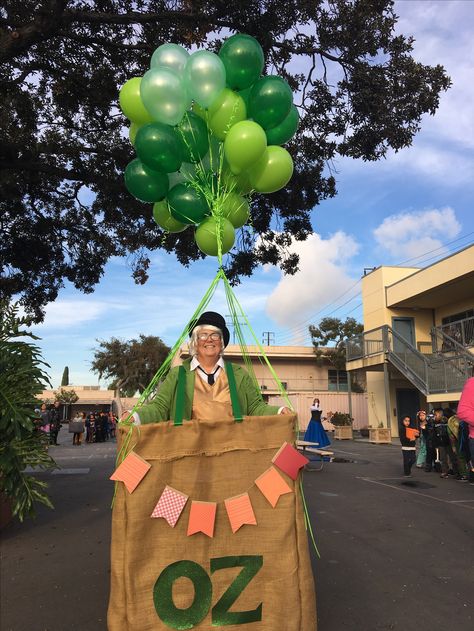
(430,374)
(459,333)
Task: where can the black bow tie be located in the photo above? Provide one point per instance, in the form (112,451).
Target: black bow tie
(210,376)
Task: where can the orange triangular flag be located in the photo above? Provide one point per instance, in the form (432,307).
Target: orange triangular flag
(131,471)
(272,485)
(239,510)
(289,460)
(202,518)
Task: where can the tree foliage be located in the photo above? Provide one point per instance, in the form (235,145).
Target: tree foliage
(67,397)
(22,378)
(329,339)
(131,364)
(65,377)
(64,208)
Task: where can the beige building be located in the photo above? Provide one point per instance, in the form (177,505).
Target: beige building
(417,348)
(302,378)
(295,366)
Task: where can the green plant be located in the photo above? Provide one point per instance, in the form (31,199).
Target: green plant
(341,419)
(22,445)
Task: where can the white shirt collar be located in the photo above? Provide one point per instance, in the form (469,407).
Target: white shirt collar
(195,363)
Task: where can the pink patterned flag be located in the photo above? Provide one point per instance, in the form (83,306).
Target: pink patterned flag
(290,461)
(240,511)
(170,505)
(131,471)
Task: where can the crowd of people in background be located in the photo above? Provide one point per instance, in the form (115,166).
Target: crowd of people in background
(91,427)
(445,439)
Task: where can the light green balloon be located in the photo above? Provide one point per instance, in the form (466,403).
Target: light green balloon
(204,76)
(131,102)
(211,231)
(273,171)
(225,111)
(244,145)
(238,183)
(132,133)
(162,216)
(171,56)
(236,209)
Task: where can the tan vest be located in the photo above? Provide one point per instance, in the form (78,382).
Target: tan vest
(212,402)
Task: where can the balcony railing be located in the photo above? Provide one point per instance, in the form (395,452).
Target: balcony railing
(430,374)
(461,332)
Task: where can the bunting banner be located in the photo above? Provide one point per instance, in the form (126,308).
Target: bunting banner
(289,460)
(272,485)
(239,511)
(202,517)
(131,471)
(170,505)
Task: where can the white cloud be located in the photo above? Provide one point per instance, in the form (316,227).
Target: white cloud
(408,234)
(321,279)
(67,314)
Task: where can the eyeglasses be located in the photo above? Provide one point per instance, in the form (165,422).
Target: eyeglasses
(209,336)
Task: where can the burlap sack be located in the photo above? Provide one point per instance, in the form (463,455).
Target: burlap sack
(211,461)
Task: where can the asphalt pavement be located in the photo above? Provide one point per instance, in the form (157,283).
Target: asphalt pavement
(396,553)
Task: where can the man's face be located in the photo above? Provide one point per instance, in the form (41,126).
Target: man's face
(438,415)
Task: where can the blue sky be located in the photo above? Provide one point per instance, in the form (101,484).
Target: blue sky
(414,206)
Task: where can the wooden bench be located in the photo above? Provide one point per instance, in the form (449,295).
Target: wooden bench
(319,452)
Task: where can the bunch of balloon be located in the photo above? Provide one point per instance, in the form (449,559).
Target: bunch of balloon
(207,129)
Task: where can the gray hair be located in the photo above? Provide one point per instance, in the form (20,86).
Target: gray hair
(193,342)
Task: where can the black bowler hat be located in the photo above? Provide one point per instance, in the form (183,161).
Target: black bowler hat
(214,319)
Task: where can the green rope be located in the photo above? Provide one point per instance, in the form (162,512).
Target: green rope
(307,520)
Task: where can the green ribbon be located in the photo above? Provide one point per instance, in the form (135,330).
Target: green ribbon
(180,395)
(236,410)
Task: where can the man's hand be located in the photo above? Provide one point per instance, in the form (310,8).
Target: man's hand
(287,411)
(125,416)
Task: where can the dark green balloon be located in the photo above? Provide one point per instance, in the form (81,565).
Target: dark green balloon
(285,130)
(243,59)
(245,94)
(194,137)
(144,183)
(159,147)
(187,205)
(270,101)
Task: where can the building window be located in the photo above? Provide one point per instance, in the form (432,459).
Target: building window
(337,380)
(464,315)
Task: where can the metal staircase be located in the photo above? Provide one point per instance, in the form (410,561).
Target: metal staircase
(432,373)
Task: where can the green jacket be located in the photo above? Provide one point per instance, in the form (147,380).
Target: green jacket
(162,407)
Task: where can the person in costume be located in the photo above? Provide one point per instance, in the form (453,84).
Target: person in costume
(408,441)
(208,380)
(315,432)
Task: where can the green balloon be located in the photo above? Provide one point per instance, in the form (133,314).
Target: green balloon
(273,171)
(162,216)
(243,59)
(144,183)
(238,183)
(285,130)
(211,231)
(236,209)
(245,143)
(131,102)
(132,133)
(270,101)
(194,138)
(245,95)
(187,205)
(159,147)
(226,110)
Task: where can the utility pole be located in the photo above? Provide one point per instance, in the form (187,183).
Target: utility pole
(268,338)
(232,324)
